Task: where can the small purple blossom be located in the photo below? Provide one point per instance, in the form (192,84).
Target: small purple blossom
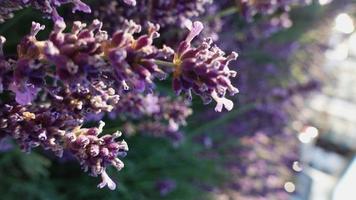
(25,93)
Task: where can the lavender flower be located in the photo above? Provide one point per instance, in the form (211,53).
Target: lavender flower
(130,62)
(203,70)
(96,153)
(54,128)
(86,59)
(32,127)
(54,85)
(25,93)
(133,59)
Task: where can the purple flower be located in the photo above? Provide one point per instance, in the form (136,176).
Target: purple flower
(133,59)
(25,93)
(85,72)
(96,153)
(203,70)
(88,52)
(57,129)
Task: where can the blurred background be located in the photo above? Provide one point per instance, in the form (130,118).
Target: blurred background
(292,134)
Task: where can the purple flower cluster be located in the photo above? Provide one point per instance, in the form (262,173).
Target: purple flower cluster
(57,129)
(203,70)
(96,153)
(55,85)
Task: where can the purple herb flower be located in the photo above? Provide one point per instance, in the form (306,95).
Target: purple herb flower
(133,59)
(56,84)
(57,129)
(203,70)
(25,93)
(96,153)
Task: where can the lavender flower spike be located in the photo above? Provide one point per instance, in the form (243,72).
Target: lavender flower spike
(96,153)
(203,70)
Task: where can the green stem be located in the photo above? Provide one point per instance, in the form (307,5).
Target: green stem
(164,63)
